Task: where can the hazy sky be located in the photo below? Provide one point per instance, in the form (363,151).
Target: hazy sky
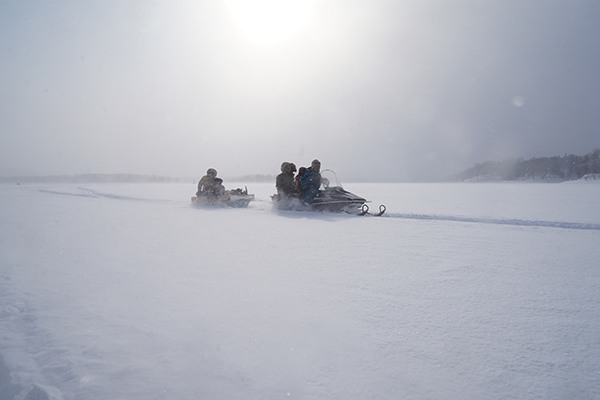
(376,89)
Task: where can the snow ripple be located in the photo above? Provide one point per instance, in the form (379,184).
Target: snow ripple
(499,221)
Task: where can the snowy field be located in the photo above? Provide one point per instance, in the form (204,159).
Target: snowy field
(460,291)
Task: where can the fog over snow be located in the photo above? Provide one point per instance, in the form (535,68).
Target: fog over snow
(460,291)
(383,90)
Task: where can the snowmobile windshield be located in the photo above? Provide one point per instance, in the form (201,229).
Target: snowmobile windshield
(329,179)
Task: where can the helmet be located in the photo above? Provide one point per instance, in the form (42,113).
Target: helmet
(315,161)
(211,171)
(292,167)
(284,166)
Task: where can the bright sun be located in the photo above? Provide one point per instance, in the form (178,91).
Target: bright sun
(269,22)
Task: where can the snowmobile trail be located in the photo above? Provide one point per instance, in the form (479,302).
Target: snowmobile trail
(498,221)
(95,194)
(59,193)
(113,196)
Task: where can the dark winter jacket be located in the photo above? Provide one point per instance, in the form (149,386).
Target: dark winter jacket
(310,180)
(206,186)
(285,184)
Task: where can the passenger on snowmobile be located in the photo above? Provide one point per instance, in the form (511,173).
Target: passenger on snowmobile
(219,191)
(285,180)
(207,186)
(299,176)
(311,181)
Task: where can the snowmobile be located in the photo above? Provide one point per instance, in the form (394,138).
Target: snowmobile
(236,198)
(332,197)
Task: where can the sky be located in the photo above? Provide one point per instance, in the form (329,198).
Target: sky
(382,90)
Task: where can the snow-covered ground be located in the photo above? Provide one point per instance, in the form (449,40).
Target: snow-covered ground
(461,291)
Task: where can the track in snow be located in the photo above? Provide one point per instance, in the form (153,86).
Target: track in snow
(497,221)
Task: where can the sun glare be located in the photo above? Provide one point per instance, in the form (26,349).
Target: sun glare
(270,22)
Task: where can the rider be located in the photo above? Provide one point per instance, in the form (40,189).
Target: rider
(285,180)
(219,191)
(208,184)
(311,181)
(297,179)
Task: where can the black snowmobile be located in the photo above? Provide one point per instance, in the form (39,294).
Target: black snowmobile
(332,197)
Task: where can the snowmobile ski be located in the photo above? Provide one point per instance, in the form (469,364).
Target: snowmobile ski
(364,210)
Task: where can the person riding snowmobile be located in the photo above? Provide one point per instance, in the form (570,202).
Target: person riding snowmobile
(311,181)
(285,180)
(207,186)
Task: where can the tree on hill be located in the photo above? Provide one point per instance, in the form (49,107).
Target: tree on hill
(556,168)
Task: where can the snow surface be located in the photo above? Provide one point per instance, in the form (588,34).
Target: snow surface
(461,291)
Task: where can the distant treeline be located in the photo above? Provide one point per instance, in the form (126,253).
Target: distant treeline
(91,178)
(557,168)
